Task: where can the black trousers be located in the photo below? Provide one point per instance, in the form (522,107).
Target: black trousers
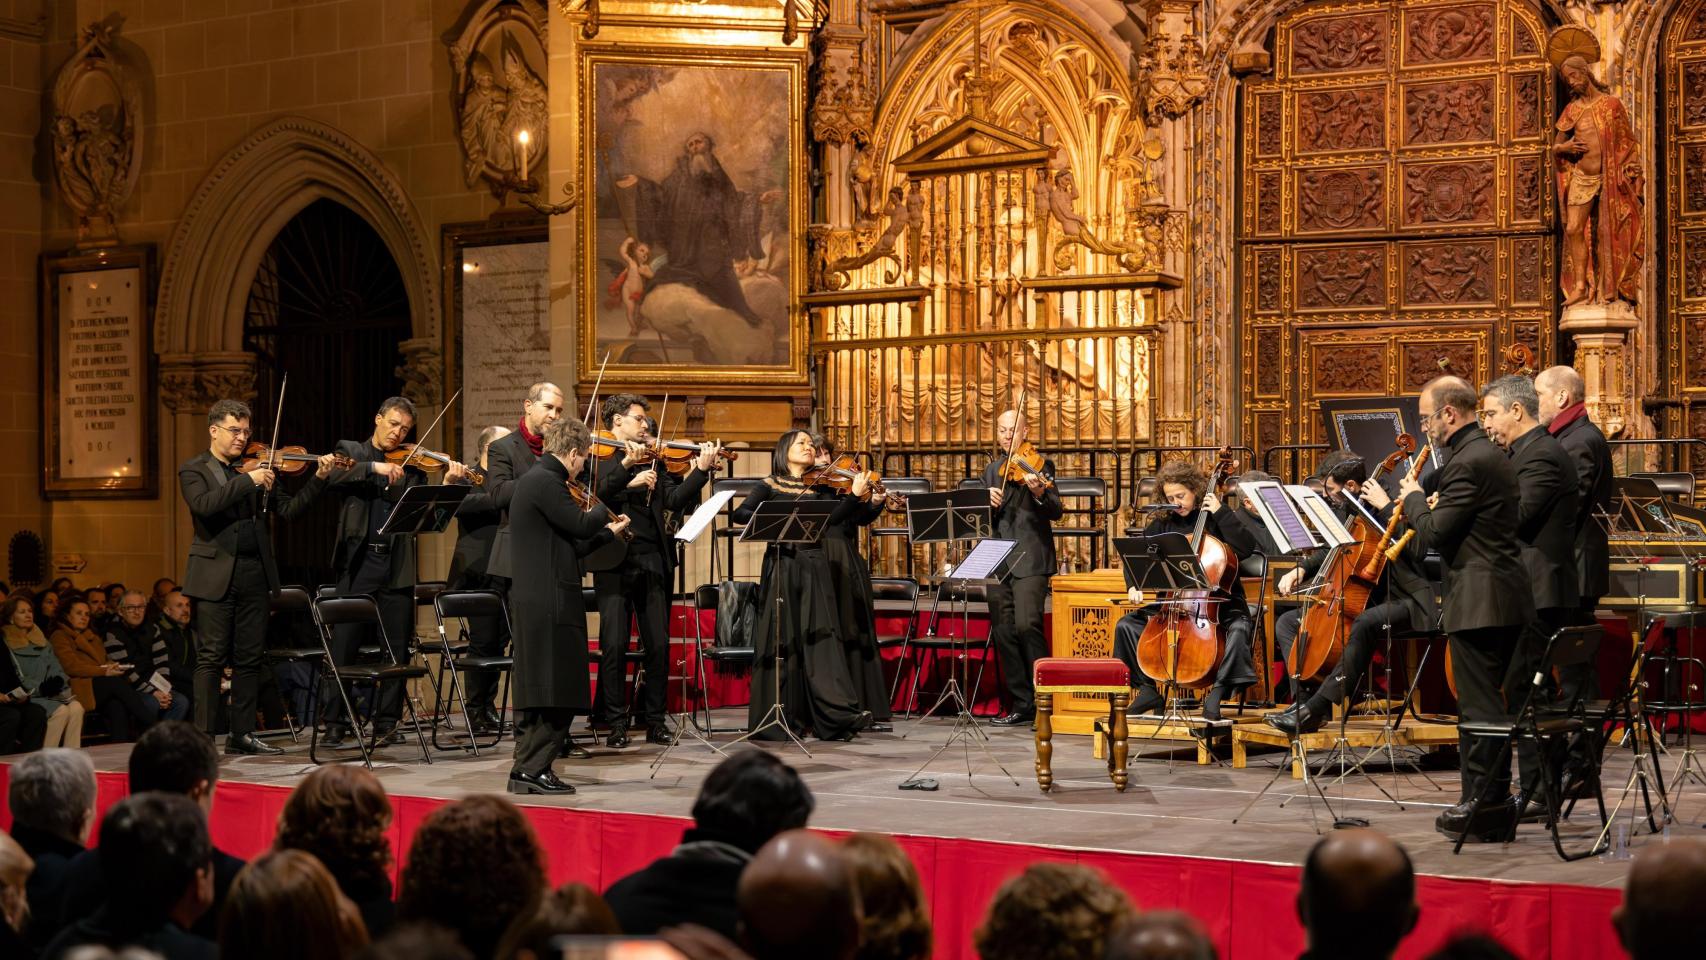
(368,574)
(1583,680)
(540,735)
(1481,660)
(126,711)
(23,727)
(233,627)
(487,637)
(1236,667)
(1519,679)
(1367,635)
(1016,620)
(640,588)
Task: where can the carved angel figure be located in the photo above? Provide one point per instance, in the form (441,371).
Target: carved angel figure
(901,211)
(1075,229)
(91,154)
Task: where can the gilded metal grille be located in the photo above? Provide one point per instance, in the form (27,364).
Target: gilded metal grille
(1683,362)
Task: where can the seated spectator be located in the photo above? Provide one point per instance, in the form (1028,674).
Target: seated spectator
(171,628)
(746,800)
(284,906)
(100,611)
(115,594)
(157,862)
(417,941)
(23,723)
(61,585)
(41,676)
(157,596)
(1160,935)
(1052,911)
(1358,897)
(475,865)
(573,909)
(1660,915)
(95,680)
(52,799)
(797,899)
(47,606)
(895,922)
(16,867)
(132,643)
(341,815)
(1472,946)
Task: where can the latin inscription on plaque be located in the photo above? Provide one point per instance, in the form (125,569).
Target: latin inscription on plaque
(506,333)
(101,375)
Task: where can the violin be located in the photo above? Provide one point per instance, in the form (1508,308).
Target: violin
(1182,644)
(286,459)
(677,456)
(587,501)
(429,461)
(1023,463)
(839,475)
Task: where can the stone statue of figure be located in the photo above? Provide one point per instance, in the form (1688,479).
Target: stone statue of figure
(1600,184)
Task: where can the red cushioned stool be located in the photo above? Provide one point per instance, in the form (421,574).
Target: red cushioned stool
(1087,677)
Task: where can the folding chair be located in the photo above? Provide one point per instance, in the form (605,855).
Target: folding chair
(1544,725)
(361,610)
(1092,492)
(716,651)
(455,660)
(904,590)
(934,644)
(294,601)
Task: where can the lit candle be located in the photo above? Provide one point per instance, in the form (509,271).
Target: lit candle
(521,139)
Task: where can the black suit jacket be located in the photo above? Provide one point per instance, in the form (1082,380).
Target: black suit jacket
(1546,516)
(1474,529)
(477,519)
(46,888)
(507,459)
(1026,519)
(1592,455)
(215,508)
(360,487)
(676,890)
(672,496)
(86,889)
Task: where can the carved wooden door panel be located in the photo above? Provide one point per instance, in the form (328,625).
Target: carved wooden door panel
(1395,211)
(1682,362)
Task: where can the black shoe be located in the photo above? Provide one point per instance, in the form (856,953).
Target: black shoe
(864,721)
(660,735)
(1211,704)
(335,738)
(1296,723)
(1580,789)
(388,737)
(574,751)
(490,718)
(1491,824)
(1147,702)
(1531,808)
(1016,718)
(618,738)
(249,744)
(880,726)
(544,783)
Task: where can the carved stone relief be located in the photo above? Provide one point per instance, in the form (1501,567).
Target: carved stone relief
(95,129)
(1455,111)
(1349,368)
(1339,43)
(1694,265)
(1528,335)
(1694,93)
(1447,34)
(1697,29)
(1444,274)
(1526,189)
(498,62)
(1523,43)
(1269,361)
(1525,105)
(1525,270)
(1269,124)
(1268,202)
(1341,278)
(1270,429)
(1268,281)
(1344,119)
(1448,193)
(1694,353)
(1422,362)
(1341,199)
(1694,177)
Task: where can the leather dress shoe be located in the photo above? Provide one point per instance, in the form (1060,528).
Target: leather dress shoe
(1531,808)
(1296,722)
(574,751)
(1016,718)
(544,783)
(249,744)
(389,737)
(335,738)
(660,735)
(617,739)
(881,726)
(864,721)
(1490,825)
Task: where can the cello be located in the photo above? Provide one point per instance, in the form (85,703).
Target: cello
(1346,579)
(1182,644)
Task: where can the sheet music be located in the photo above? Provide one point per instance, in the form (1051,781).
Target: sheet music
(1280,516)
(983,561)
(1320,514)
(704,516)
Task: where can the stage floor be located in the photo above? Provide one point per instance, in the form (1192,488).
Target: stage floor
(1186,810)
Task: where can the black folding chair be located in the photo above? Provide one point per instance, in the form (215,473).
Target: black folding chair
(1545,725)
(293,601)
(902,590)
(720,650)
(455,660)
(1092,492)
(361,610)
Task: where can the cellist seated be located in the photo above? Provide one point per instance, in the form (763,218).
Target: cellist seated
(1185,486)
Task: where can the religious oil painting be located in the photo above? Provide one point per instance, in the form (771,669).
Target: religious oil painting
(691,263)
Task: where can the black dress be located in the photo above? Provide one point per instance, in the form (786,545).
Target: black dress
(856,607)
(817,690)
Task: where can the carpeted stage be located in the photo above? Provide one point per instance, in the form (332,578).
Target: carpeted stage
(1169,840)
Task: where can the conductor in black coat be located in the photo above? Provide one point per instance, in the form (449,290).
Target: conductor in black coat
(1024,513)
(551,532)
(230,569)
(477,518)
(1487,599)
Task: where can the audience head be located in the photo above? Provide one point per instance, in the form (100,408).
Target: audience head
(1661,914)
(75,613)
(154,848)
(417,941)
(176,607)
(574,909)
(62,584)
(895,921)
(749,798)
(97,599)
(476,865)
(47,606)
(341,815)
(1052,911)
(53,791)
(1472,946)
(15,869)
(1358,896)
(115,592)
(174,757)
(1160,935)
(18,612)
(285,905)
(163,586)
(133,608)
(797,898)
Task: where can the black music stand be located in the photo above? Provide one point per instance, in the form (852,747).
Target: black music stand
(424,509)
(784,523)
(1165,563)
(949,517)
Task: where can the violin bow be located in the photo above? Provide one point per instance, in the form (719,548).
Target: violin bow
(587,417)
(592,491)
(420,442)
(657,448)
(272,450)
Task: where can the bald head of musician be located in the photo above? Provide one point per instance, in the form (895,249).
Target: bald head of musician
(1447,405)
(1010,429)
(1508,409)
(1660,915)
(1558,389)
(543,407)
(1358,897)
(797,898)
(483,445)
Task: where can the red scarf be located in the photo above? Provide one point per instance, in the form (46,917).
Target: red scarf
(536,444)
(1567,416)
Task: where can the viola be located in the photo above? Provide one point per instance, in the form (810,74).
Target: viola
(1023,463)
(1182,644)
(429,461)
(286,459)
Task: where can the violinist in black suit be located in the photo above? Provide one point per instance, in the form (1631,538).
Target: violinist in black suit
(230,570)
(511,456)
(1024,513)
(1472,522)
(477,519)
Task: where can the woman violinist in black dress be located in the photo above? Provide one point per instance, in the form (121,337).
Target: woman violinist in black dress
(855,605)
(817,692)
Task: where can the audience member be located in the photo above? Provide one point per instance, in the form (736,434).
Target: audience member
(417,941)
(157,862)
(132,643)
(23,723)
(52,799)
(797,899)
(1661,915)
(95,680)
(171,628)
(115,593)
(1052,911)
(341,815)
(47,606)
(16,866)
(1160,935)
(573,909)
(746,800)
(475,865)
(1358,898)
(285,906)
(62,584)
(895,920)
(100,612)
(1472,946)
(41,676)
(157,595)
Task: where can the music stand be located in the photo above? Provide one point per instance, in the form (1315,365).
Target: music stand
(424,509)
(784,523)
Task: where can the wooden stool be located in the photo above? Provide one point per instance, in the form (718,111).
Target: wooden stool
(1052,675)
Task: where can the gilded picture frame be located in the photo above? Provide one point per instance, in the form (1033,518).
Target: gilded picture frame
(674,155)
